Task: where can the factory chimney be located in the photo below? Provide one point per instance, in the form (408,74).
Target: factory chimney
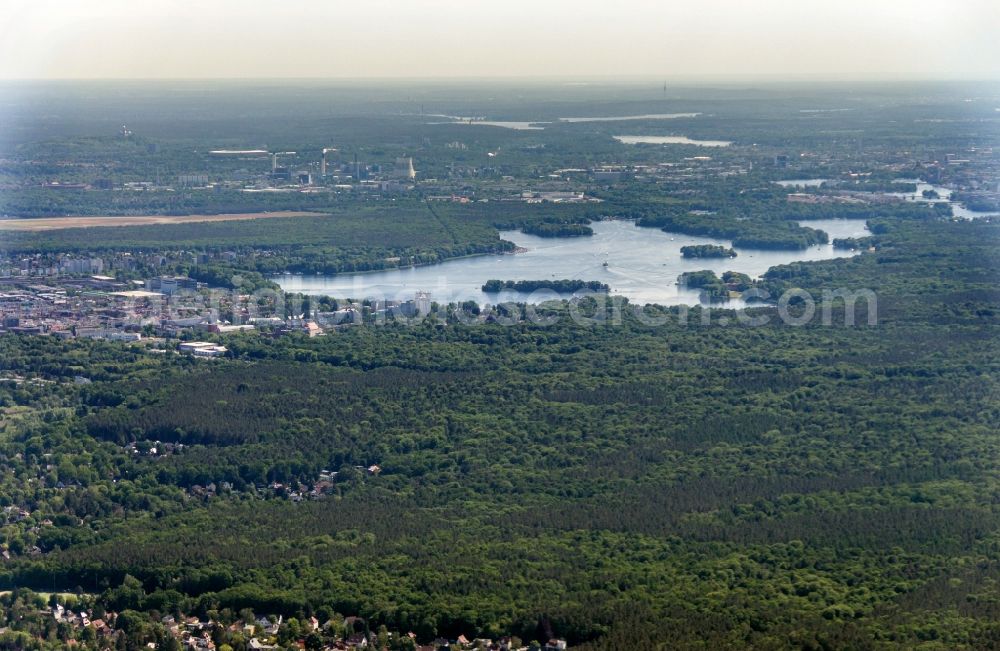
(322,163)
(404,168)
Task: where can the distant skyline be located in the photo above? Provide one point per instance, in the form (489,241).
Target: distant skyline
(718,39)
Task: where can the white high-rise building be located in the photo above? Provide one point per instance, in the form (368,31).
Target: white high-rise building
(422,303)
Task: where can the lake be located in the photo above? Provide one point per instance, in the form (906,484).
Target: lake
(503,124)
(944,196)
(538,125)
(643,264)
(624,118)
(670,140)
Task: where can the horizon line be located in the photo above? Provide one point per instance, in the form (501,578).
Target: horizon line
(565,78)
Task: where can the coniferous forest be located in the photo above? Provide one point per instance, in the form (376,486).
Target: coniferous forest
(727,485)
(800,454)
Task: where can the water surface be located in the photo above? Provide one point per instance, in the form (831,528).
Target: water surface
(623,118)
(504,124)
(670,140)
(642,264)
(944,196)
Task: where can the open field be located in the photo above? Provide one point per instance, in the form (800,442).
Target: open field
(53,223)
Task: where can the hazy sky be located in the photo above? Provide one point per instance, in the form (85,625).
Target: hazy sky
(469,38)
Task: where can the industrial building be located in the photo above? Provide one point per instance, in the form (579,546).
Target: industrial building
(202,348)
(192,179)
(403,169)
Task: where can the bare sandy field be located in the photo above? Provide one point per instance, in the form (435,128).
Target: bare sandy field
(52,223)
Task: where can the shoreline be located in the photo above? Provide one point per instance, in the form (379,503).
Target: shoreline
(415,265)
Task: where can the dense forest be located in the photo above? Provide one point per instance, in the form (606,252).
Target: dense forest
(744,233)
(652,481)
(353,236)
(545,229)
(815,471)
(564,286)
(707,251)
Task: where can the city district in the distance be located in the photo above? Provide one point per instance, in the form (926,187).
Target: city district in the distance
(239,409)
